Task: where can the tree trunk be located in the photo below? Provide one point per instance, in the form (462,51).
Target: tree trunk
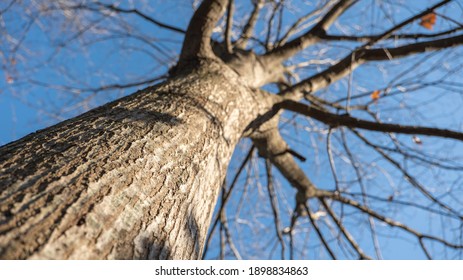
(136,178)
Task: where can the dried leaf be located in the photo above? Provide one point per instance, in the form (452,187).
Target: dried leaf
(428,21)
(317,215)
(375,95)
(417,140)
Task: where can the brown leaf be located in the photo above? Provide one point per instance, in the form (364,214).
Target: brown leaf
(428,21)
(417,140)
(375,95)
(9,79)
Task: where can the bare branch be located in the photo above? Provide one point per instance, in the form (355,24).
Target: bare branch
(338,197)
(291,231)
(428,255)
(390,31)
(289,49)
(344,231)
(226,197)
(330,17)
(7,7)
(268,44)
(348,121)
(319,233)
(364,194)
(403,203)
(272,146)
(265,149)
(222,241)
(359,56)
(407,175)
(228,29)
(274,204)
(137,12)
(450,19)
(398,52)
(331,159)
(421,157)
(227,238)
(368,38)
(294,27)
(250,24)
(101,88)
(197,42)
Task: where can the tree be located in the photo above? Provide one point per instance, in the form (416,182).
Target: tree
(140,176)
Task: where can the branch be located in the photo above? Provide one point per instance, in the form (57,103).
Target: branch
(356,166)
(144,16)
(274,204)
(229,240)
(393,200)
(424,159)
(312,36)
(98,89)
(412,180)
(344,231)
(271,145)
(4,10)
(335,120)
(319,233)
(331,159)
(295,25)
(295,179)
(332,15)
(294,217)
(368,38)
(250,24)
(390,31)
(318,31)
(398,52)
(197,42)
(390,222)
(228,29)
(359,56)
(225,197)
(269,25)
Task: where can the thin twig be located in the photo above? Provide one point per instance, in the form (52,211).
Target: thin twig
(228,28)
(248,29)
(344,231)
(226,196)
(319,233)
(274,204)
(331,159)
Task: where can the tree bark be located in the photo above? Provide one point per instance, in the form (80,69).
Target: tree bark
(136,178)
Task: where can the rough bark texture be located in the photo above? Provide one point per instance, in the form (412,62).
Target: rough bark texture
(136,178)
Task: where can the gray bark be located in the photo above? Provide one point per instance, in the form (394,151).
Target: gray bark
(137,178)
